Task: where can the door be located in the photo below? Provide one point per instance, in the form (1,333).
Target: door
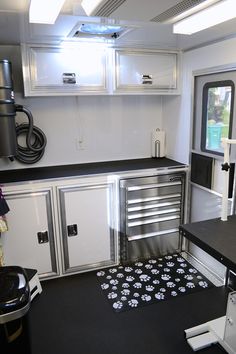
(87,226)
(214,118)
(29,243)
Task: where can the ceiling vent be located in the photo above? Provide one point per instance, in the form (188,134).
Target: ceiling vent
(109,7)
(182,9)
(98,31)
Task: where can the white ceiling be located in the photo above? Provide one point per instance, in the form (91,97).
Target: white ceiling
(15,28)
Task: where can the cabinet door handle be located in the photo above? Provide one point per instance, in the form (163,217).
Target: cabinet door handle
(43,237)
(72,230)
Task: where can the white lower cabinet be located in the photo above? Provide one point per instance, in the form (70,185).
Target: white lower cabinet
(30,241)
(87,226)
(59,229)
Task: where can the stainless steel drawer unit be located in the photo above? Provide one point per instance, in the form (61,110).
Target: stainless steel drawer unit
(152,209)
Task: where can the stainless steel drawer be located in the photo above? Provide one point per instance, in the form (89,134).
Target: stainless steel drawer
(151,212)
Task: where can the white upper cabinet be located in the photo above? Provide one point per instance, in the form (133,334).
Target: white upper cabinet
(142,71)
(64,70)
(94,69)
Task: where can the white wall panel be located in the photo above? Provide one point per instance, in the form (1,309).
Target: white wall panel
(111,127)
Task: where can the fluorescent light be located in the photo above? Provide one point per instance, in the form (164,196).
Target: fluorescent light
(90,5)
(44,11)
(211,16)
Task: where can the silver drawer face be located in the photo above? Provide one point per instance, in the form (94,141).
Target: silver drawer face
(151,212)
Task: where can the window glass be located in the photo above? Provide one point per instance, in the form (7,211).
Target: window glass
(216,115)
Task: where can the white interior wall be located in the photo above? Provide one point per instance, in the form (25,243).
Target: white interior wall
(111,127)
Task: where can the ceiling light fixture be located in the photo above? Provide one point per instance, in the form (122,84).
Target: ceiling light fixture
(90,5)
(44,11)
(210,16)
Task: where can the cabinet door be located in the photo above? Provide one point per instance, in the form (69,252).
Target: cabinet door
(57,70)
(29,243)
(146,70)
(87,227)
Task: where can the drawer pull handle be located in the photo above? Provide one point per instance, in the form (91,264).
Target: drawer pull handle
(153,221)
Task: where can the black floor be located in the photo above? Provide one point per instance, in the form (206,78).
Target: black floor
(72,316)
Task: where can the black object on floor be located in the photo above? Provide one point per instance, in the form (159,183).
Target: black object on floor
(149,281)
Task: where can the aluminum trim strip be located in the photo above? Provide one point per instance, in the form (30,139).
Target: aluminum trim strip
(152,234)
(153,213)
(154,185)
(152,221)
(152,206)
(151,199)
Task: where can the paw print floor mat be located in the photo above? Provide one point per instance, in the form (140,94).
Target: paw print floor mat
(150,281)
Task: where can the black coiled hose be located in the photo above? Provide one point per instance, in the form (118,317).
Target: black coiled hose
(35,140)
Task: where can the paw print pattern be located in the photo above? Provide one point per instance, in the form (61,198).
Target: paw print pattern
(192,270)
(138,271)
(156,281)
(137,285)
(160,265)
(167,270)
(173,293)
(133,303)
(188,277)
(203,284)
(170,284)
(152,261)
(180,271)
(130,278)
(177,280)
(182,289)
(146,297)
(170,264)
(139,264)
(128,269)
(104,286)
(199,277)
(190,285)
(109,277)
(183,265)
(120,275)
(165,277)
(101,273)
(155,271)
(149,288)
(118,305)
(180,259)
(114,288)
(112,295)
(125,285)
(159,296)
(148,266)
(136,295)
(163,290)
(123,298)
(113,270)
(125,292)
(144,278)
(114,282)
(168,257)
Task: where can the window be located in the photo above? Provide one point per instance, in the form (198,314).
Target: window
(217,113)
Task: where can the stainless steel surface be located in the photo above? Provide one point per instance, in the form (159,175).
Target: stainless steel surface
(151,210)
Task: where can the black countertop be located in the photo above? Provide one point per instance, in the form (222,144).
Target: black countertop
(216,237)
(40,173)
